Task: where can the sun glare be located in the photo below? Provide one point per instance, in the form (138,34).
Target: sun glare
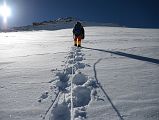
(5,12)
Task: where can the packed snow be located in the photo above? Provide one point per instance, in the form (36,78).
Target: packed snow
(114,75)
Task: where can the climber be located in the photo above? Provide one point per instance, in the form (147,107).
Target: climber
(78,34)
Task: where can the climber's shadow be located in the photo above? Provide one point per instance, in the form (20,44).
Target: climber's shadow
(137,57)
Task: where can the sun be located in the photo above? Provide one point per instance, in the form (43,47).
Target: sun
(5,12)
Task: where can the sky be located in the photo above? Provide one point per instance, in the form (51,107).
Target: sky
(130,13)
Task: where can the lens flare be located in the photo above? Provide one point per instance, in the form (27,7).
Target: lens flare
(5,12)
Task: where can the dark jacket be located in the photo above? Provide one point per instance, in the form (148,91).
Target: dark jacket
(78,30)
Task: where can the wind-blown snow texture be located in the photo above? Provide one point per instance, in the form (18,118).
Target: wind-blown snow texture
(36,68)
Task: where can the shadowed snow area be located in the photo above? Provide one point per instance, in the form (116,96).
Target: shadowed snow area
(114,75)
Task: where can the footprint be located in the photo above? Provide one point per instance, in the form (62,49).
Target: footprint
(70,56)
(71,61)
(61,85)
(79,65)
(62,76)
(79,79)
(79,54)
(78,58)
(81,96)
(69,70)
(77,50)
(60,112)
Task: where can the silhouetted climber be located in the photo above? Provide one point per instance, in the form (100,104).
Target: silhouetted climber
(78,34)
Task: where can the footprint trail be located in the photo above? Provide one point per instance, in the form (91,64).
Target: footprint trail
(83,89)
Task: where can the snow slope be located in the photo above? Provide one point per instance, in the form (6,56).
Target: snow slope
(115,74)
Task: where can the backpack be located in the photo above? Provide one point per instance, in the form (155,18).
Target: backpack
(77,31)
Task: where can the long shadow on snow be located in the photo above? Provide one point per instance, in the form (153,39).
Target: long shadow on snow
(137,57)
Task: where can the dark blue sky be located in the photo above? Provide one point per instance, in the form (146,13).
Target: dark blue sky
(131,13)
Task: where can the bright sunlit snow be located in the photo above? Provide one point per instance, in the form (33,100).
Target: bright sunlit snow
(35,65)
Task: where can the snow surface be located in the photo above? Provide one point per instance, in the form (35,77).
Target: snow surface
(118,68)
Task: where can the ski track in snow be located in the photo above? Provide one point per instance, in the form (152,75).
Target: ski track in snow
(83,91)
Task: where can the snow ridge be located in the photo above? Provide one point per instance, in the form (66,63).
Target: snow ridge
(57,24)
